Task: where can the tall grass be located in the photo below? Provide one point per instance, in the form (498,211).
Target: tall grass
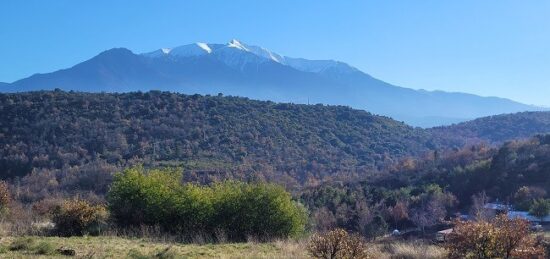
(411,250)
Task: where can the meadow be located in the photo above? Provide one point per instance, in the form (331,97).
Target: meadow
(126,247)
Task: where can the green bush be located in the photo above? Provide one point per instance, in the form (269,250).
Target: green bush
(238,210)
(256,210)
(540,208)
(77,217)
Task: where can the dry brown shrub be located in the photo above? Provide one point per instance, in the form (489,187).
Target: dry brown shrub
(77,217)
(498,238)
(5,197)
(44,208)
(337,244)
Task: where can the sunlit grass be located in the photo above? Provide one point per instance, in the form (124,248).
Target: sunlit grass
(117,247)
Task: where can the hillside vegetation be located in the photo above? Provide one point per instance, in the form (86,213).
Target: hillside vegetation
(495,129)
(341,170)
(62,130)
(67,142)
(421,192)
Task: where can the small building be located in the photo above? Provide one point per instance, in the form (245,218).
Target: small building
(441,236)
(497,207)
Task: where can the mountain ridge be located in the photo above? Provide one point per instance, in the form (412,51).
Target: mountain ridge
(255,72)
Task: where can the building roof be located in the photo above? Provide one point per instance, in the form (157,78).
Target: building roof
(525,215)
(497,206)
(445,231)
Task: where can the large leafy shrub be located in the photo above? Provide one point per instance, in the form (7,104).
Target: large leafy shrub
(238,210)
(259,210)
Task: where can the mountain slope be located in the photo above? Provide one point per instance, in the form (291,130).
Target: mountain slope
(496,129)
(54,130)
(239,69)
(115,69)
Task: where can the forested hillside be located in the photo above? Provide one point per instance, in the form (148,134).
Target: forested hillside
(421,191)
(65,141)
(495,129)
(67,131)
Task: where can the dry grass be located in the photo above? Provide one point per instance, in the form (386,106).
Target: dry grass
(417,251)
(138,248)
(117,247)
(405,250)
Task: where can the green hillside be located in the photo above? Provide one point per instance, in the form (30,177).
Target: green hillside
(216,135)
(495,129)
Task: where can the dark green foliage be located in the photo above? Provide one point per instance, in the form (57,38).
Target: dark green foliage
(540,208)
(238,210)
(526,195)
(377,227)
(54,130)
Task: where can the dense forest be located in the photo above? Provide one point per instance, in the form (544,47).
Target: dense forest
(62,130)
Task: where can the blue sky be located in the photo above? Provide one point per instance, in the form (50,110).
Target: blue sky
(490,47)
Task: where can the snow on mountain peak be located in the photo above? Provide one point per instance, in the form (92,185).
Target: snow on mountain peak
(237,44)
(191,50)
(205,47)
(236,54)
(258,51)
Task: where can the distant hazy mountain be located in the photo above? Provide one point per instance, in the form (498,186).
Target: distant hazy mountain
(244,70)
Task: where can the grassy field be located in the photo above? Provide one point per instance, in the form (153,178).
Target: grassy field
(117,247)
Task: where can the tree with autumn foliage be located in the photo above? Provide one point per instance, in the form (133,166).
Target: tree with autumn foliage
(501,237)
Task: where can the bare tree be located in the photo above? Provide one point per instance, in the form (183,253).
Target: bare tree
(478,210)
(428,214)
(324,219)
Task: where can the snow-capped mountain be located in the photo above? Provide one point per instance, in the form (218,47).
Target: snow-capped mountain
(236,68)
(236,54)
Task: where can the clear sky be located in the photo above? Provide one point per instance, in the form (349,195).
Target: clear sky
(490,47)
